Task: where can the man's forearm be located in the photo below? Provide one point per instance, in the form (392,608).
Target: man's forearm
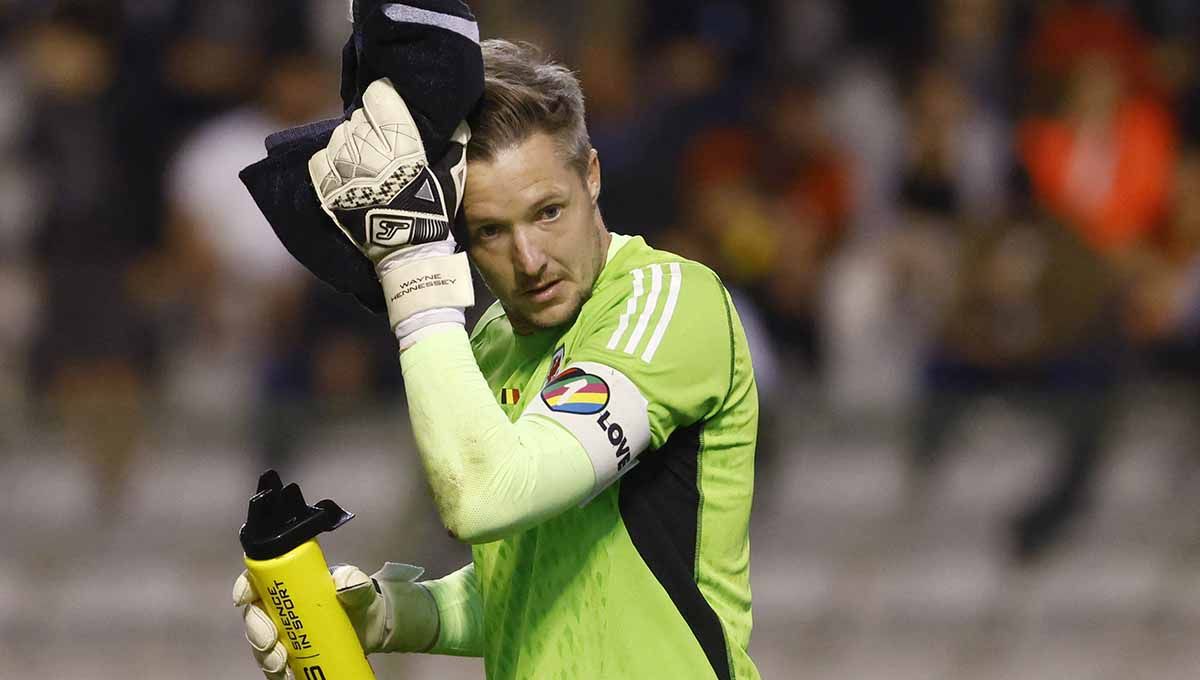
(490,477)
(460,613)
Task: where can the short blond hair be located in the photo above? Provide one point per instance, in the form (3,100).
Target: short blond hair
(526,92)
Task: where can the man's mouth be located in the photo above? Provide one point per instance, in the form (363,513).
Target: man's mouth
(542,292)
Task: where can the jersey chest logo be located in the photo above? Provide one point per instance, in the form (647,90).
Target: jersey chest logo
(555,364)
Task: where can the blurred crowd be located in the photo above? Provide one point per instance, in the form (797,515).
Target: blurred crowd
(916,205)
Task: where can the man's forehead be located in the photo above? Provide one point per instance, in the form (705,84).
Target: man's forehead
(518,194)
(518,176)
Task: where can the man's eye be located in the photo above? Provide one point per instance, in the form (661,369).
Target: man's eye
(550,213)
(488,231)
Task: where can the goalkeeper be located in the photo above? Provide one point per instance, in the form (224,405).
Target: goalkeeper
(593,439)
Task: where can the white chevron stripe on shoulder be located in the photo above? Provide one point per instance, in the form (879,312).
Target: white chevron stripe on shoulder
(651,304)
(630,308)
(665,320)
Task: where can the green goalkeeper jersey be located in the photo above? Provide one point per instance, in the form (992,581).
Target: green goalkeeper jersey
(650,577)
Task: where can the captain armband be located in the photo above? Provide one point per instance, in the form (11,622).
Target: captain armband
(604,410)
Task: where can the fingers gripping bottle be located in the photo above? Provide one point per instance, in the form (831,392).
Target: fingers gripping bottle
(289,572)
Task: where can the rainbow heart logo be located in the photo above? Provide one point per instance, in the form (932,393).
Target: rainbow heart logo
(574,391)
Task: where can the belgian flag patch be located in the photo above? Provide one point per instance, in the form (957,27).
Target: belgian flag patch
(509,396)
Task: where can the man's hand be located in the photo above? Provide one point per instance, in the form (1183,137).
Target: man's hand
(376,182)
(390,612)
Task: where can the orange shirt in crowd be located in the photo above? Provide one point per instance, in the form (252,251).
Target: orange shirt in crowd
(1111,185)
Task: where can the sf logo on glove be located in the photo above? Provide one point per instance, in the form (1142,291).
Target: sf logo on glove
(416,215)
(390,230)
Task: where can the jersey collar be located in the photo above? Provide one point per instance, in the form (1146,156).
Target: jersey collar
(616,243)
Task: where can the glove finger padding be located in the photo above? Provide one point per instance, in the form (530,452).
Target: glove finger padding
(376,181)
(356,593)
(269,653)
(355,590)
(273,663)
(243,590)
(260,629)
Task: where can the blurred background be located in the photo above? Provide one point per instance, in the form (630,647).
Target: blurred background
(964,236)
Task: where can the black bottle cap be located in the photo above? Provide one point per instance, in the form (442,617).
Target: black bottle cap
(279,520)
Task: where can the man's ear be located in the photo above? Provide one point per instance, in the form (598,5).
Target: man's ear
(593,176)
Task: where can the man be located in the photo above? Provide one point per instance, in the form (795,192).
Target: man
(593,439)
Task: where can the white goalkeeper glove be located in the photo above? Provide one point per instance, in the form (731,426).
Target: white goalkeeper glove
(390,612)
(375,181)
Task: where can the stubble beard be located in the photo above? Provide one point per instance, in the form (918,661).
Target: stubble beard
(524,324)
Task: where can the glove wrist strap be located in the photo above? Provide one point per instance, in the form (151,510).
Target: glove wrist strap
(420,285)
(412,614)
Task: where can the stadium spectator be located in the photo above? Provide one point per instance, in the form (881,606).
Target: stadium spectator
(1031,321)
(94,345)
(1101,159)
(958,152)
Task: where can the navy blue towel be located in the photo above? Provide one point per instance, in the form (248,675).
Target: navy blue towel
(430,51)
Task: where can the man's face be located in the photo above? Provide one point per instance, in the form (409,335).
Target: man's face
(534,232)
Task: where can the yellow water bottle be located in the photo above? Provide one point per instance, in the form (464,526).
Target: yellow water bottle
(289,571)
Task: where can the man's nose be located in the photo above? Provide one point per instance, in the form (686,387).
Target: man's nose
(529,257)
